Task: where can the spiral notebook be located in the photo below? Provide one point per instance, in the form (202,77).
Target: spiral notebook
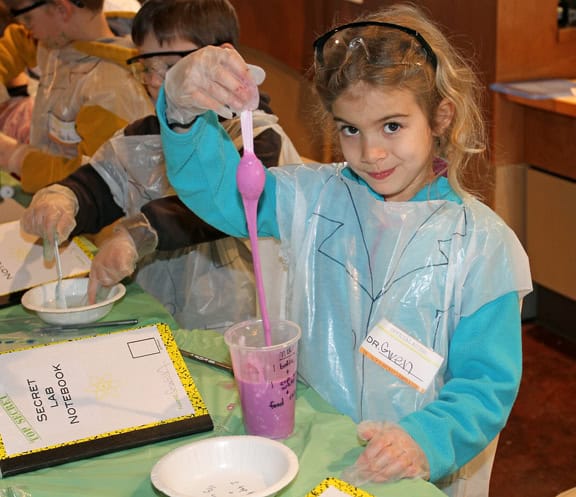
(92,395)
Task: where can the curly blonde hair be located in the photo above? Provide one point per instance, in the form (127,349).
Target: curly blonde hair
(399,60)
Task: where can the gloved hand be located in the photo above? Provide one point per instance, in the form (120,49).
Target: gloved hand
(11,154)
(132,238)
(390,454)
(212,78)
(52,213)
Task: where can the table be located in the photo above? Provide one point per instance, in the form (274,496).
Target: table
(324,440)
(535,147)
(17,194)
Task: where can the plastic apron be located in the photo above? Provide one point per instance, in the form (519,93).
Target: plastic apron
(71,80)
(361,260)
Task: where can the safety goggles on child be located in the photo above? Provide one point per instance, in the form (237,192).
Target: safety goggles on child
(334,47)
(146,65)
(39,3)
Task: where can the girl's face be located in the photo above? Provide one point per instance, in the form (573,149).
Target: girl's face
(156,67)
(386,139)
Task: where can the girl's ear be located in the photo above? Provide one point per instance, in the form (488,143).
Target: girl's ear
(443,117)
(64,8)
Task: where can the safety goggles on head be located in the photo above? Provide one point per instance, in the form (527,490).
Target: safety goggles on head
(146,65)
(39,3)
(332,48)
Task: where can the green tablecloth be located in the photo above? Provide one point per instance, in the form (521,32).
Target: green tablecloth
(16,323)
(324,440)
(18,195)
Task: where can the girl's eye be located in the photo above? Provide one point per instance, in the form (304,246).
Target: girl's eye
(391,127)
(349,130)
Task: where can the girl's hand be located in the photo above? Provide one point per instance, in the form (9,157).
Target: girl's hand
(212,78)
(391,454)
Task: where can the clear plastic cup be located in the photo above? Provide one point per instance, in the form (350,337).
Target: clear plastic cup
(265,375)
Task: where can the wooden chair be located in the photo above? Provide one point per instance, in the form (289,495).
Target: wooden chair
(568,493)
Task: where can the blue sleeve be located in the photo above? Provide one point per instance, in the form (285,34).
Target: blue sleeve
(483,375)
(201,167)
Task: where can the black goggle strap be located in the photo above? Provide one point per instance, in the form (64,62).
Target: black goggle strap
(39,3)
(23,10)
(149,55)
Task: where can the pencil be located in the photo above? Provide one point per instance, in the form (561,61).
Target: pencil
(207,360)
(83,326)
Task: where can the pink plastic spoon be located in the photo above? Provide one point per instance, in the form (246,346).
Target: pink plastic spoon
(250,179)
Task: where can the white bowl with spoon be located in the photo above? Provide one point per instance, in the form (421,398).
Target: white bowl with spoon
(42,301)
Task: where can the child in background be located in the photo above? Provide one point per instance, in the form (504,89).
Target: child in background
(85,92)
(16,111)
(201,284)
(385,255)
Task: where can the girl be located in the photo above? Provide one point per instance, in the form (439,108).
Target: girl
(406,287)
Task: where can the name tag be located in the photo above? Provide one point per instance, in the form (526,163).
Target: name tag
(63,131)
(402,355)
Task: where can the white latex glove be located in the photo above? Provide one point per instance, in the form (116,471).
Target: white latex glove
(390,454)
(131,239)
(212,78)
(51,213)
(11,154)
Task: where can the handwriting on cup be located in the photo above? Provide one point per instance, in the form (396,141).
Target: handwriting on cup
(286,358)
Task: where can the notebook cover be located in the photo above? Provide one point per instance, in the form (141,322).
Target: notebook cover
(22,264)
(74,399)
(333,487)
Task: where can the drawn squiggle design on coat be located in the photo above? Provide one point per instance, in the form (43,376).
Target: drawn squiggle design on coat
(367,285)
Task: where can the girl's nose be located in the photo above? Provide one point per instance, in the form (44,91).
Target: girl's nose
(373,151)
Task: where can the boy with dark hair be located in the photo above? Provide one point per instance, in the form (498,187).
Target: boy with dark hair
(201,284)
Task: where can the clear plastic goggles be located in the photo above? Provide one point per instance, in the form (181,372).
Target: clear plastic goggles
(155,64)
(401,45)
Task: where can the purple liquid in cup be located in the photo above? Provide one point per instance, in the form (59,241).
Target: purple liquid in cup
(268,408)
(265,375)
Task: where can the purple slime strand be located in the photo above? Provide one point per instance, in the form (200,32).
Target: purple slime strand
(250,179)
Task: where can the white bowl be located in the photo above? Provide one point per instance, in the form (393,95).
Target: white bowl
(232,466)
(41,299)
